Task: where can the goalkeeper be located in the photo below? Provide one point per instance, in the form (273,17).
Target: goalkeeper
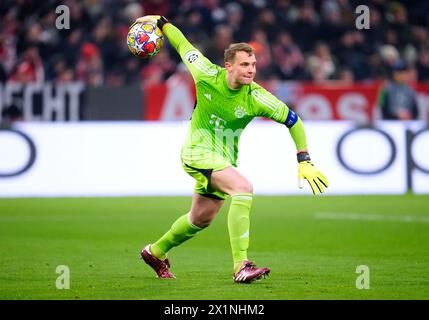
(227,100)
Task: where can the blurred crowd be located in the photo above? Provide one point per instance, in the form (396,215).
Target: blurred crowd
(305,40)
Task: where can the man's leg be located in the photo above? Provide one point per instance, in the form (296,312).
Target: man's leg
(229,180)
(181,230)
(203,211)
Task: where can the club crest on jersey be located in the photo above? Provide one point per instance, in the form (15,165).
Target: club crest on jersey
(239,112)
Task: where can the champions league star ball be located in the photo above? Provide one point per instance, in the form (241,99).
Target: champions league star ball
(145,39)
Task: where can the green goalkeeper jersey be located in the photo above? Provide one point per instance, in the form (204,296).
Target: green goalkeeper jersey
(220,113)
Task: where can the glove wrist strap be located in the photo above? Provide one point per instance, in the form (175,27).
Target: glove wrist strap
(161,22)
(303,156)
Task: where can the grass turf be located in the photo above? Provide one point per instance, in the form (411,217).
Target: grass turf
(310,257)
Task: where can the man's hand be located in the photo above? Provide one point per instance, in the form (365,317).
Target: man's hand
(157,20)
(153,19)
(315,178)
(404,114)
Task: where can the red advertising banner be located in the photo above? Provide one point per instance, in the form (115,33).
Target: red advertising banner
(335,102)
(357,102)
(171,101)
(423,100)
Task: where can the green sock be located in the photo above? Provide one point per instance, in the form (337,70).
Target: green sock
(181,230)
(238,227)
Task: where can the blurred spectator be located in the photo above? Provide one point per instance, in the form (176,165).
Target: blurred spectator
(374,35)
(234,19)
(103,37)
(132,68)
(8,45)
(115,78)
(305,29)
(221,40)
(423,65)
(163,61)
(249,11)
(391,38)
(159,7)
(398,30)
(193,28)
(419,36)
(65,76)
(397,99)
(133,11)
(49,36)
(412,74)
(33,38)
(29,68)
(346,77)
(267,22)
(90,66)
(332,25)
(217,12)
(320,63)
(55,67)
(351,53)
(288,58)
(151,75)
(264,65)
(285,12)
(72,44)
(388,56)
(79,16)
(181,77)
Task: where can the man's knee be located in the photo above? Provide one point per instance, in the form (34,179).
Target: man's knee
(202,223)
(202,219)
(243,186)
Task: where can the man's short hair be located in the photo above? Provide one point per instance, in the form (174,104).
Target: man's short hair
(233,48)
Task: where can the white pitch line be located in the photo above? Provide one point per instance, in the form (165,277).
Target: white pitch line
(370,217)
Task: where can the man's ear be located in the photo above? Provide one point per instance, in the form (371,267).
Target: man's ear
(228,65)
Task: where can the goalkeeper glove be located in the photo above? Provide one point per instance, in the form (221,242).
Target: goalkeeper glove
(160,21)
(307,171)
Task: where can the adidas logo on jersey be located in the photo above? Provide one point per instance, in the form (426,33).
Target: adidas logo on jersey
(245,235)
(208,96)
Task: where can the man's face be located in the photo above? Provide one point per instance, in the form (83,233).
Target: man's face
(243,68)
(401,76)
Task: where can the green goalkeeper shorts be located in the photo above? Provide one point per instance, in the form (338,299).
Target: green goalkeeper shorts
(201,171)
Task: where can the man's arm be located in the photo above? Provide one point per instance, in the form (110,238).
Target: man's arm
(414,107)
(197,63)
(382,102)
(267,105)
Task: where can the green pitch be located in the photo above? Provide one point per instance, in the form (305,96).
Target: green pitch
(312,245)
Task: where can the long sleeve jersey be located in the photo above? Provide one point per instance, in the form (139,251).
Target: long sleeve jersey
(221,113)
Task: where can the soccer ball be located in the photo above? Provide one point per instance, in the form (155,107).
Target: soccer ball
(145,39)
